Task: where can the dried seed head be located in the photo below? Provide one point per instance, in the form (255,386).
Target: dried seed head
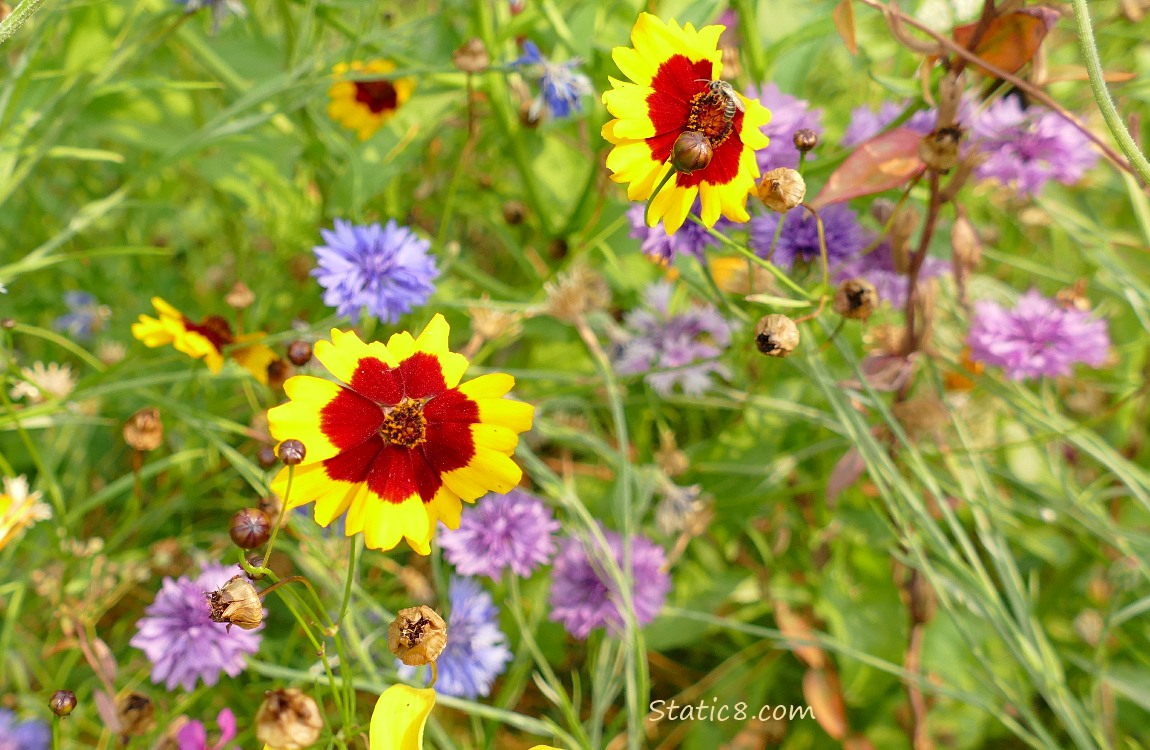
(805,139)
(134,712)
(62,702)
(288,719)
(299,352)
(856,299)
(939,150)
(669,458)
(692,151)
(7,323)
(144,431)
(417,635)
(266,456)
(921,416)
(237,602)
(240,296)
(472,57)
(250,528)
(514,212)
(575,293)
(776,335)
(1074,297)
(489,323)
(292,452)
(965,244)
(782,189)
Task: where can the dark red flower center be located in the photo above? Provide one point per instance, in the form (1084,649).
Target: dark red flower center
(378,96)
(214,328)
(404,425)
(709,116)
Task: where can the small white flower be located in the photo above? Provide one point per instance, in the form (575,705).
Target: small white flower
(42,382)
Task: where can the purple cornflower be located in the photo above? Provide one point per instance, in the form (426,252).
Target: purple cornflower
(501,531)
(84,317)
(1037,337)
(691,239)
(799,239)
(866,123)
(1028,148)
(193,736)
(584,596)
(788,114)
(673,348)
(385,269)
(476,651)
(561,87)
(878,268)
(180,639)
(23,735)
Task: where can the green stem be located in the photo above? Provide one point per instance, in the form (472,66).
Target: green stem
(752,44)
(1102,94)
(647,210)
(822,245)
(280,520)
(55,733)
(775,270)
(21,14)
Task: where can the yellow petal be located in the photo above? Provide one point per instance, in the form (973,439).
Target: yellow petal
(399,717)
(492,385)
(515,415)
(433,340)
(255,359)
(300,417)
(342,354)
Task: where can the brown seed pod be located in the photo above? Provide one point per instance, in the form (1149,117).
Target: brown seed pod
(472,57)
(288,719)
(782,189)
(250,528)
(939,150)
(266,456)
(417,635)
(62,702)
(299,353)
(856,299)
(292,452)
(144,430)
(776,335)
(805,139)
(240,296)
(692,151)
(237,602)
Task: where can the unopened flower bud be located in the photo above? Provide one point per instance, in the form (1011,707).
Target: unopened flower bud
(62,702)
(965,243)
(472,57)
(144,431)
(288,719)
(292,452)
(514,212)
(266,456)
(782,189)
(240,296)
(939,150)
(237,602)
(692,151)
(805,139)
(299,353)
(856,299)
(250,528)
(134,713)
(7,323)
(776,335)
(417,635)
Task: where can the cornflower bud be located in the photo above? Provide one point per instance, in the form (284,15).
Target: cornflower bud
(417,635)
(805,139)
(472,57)
(240,296)
(62,702)
(856,299)
(250,528)
(692,151)
(776,335)
(782,189)
(288,719)
(236,603)
(292,452)
(144,431)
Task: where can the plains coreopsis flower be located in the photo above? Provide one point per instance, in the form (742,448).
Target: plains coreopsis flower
(502,531)
(23,735)
(19,509)
(398,441)
(1036,338)
(670,69)
(365,105)
(584,596)
(386,269)
(181,641)
(204,340)
(561,86)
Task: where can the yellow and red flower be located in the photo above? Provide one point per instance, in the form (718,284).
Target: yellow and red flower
(398,442)
(205,340)
(364,106)
(670,70)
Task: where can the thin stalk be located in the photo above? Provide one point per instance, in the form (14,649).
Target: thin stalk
(21,14)
(280,520)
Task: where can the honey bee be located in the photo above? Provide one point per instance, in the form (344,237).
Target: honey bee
(725,90)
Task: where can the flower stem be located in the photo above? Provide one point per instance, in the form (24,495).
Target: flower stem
(822,245)
(647,209)
(280,520)
(55,733)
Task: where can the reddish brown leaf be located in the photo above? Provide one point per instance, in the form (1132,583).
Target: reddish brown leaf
(1010,40)
(824,695)
(794,625)
(884,162)
(847,471)
(844,17)
(1078,73)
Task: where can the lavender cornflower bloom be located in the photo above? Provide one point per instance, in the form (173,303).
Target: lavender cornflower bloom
(799,239)
(878,267)
(385,269)
(866,123)
(561,87)
(1028,148)
(180,639)
(788,114)
(584,596)
(691,239)
(85,315)
(501,531)
(673,348)
(476,651)
(193,736)
(23,735)
(1037,337)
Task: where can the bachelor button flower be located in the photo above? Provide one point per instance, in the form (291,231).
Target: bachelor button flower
(365,105)
(866,123)
(502,531)
(692,239)
(788,114)
(180,639)
(19,509)
(670,97)
(402,443)
(1037,337)
(1028,148)
(23,735)
(879,269)
(385,269)
(85,315)
(193,736)
(673,348)
(561,87)
(584,596)
(799,239)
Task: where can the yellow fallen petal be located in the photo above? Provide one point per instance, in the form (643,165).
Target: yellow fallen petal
(399,718)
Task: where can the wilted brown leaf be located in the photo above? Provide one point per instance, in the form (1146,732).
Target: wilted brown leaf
(844,17)
(794,625)
(884,162)
(1011,40)
(824,695)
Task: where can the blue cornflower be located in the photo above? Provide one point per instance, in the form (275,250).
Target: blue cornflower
(799,239)
(85,315)
(560,86)
(221,9)
(476,651)
(23,735)
(386,269)
(691,239)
